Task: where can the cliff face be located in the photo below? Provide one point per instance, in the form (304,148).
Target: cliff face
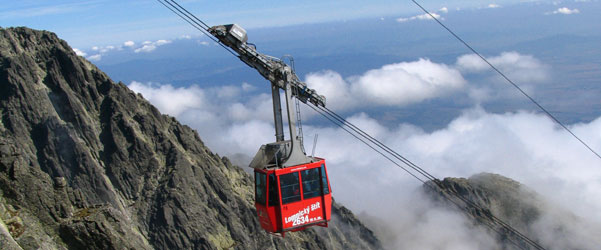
(86,163)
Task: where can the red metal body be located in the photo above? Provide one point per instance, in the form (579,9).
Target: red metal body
(293,198)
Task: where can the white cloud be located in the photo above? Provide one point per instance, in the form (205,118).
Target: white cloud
(148,46)
(249,135)
(522,68)
(247,87)
(162,42)
(221,112)
(412,82)
(393,84)
(79,52)
(203,43)
(444,10)
(565,11)
(104,49)
(107,48)
(186,37)
(524,146)
(96,57)
(419,17)
(487,85)
(129,43)
(168,99)
(331,85)
(490,6)
(407,82)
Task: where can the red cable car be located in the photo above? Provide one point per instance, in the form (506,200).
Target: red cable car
(292,190)
(293,198)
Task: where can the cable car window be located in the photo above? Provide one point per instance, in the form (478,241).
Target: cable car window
(289,185)
(324,180)
(310,183)
(273,191)
(260,193)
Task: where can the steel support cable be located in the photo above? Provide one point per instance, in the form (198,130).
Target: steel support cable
(204,29)
(426,183)
(194,24)
(382,145)
(189,21)
(198,19)
(183,11)
(497,220)
(334,119)
(178,14)
(364,142)
(448,196)
(188,17)
(430,185)
(519,89)
(493,218)
(342,122)
(488,224)
(361,133)
(423,172)
(509,80)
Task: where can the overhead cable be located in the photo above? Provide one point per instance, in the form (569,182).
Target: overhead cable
(380,148)
(509,80)
(366,138)
(181,12)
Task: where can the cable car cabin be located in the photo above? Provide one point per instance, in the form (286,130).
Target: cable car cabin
(293,198)
(292,190)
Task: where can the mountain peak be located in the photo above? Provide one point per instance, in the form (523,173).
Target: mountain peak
(515,204)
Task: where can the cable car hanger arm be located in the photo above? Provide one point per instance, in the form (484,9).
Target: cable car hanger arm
(271,68)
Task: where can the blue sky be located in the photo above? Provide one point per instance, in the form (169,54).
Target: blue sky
(103,22)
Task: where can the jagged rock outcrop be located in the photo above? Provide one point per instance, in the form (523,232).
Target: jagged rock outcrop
(523,209)
(88,164)
(491,195)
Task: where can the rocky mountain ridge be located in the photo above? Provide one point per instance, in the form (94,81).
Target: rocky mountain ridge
(88,164)
(547,224)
